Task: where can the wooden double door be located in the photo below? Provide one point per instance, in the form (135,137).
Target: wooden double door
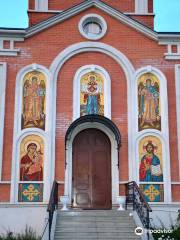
(91,170)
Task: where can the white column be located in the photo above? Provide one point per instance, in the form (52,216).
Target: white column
(141,6)
(41,5)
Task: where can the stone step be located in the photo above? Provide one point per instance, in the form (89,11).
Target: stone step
(95,224)
(94,229)
(97,238)
(65,224)
(95,213)
(89,235)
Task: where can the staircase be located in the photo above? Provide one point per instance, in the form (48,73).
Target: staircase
(94,224)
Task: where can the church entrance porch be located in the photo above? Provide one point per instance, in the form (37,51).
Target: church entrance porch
(91,187)
(92,145)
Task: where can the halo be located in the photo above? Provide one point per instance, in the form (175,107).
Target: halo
(34,75)
(153,143)
(152,81)
(27,143)
(92,75)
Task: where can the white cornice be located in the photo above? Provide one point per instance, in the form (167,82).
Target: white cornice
(12,33)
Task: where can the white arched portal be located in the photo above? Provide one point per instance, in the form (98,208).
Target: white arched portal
(114,157)
(123,62)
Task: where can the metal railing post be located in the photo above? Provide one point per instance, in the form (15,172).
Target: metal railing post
(139,204)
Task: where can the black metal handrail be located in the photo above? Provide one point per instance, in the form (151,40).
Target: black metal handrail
(135,197)
(53,204)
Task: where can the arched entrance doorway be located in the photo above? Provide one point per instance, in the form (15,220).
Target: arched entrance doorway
(91,187)
(110,131)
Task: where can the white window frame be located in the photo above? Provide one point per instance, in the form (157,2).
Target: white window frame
(97,19)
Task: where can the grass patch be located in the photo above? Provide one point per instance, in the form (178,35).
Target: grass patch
(28,234)
(165,234)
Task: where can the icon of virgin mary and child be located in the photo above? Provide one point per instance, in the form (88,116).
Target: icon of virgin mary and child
(92,91)
(31,167)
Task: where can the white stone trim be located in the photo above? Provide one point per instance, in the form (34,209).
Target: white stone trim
(7,52)
(121,59)
(141,6)
(170,55)
(175,183)
(41,5)
(177,82)
(76,89)
(19,134)
(163,135)
(11,51)
(96,18)
(3,70)
(114,158)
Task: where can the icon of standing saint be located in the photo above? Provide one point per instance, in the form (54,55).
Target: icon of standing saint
(34,92)
(149,104)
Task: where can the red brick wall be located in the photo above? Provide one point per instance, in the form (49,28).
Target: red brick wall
(5,192)
(31,4)
(175,193)
(37,17)
(150,6)
(145,20)
(42,48)
(63,4)
(123,5)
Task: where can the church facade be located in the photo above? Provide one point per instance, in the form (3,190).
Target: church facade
(90,97)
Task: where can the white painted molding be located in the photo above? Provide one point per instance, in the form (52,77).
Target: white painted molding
(123,62)
(19,134)
(3,70)
(175,183)
(114,158)
(7,52)
(96,19)
(76,89)
(170,55)
(41,5)
(177,84)
(163,135)
(11,51)
(141,6)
